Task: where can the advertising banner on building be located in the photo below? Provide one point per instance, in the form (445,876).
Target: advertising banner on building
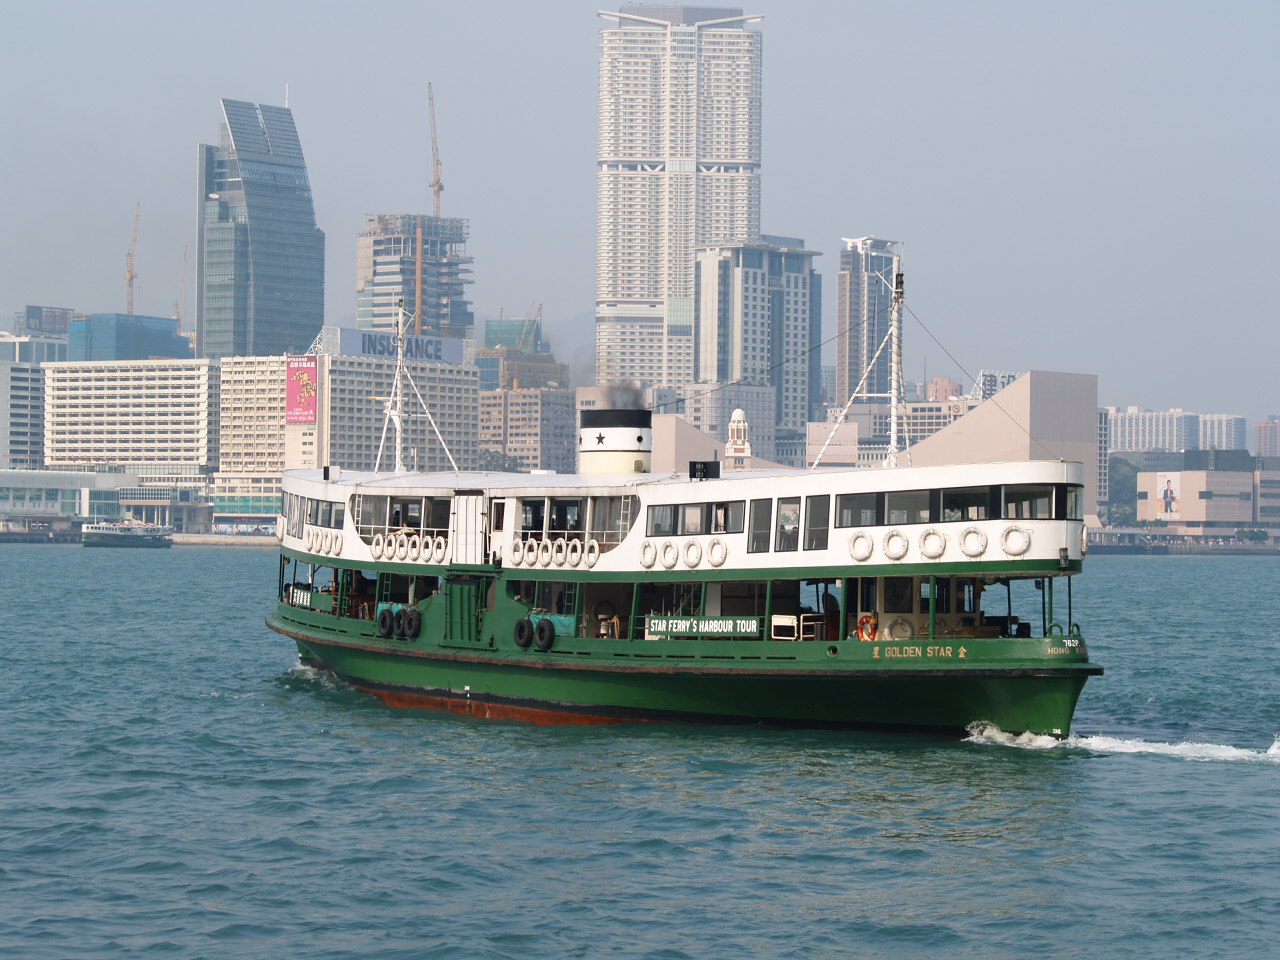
(378,343)
(1167,496)
(300,390)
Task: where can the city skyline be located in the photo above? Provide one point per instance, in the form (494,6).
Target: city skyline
(1084,151)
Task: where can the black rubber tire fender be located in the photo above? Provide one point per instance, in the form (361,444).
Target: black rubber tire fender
(545,635)
(524,633)
(386,622)
(412,622)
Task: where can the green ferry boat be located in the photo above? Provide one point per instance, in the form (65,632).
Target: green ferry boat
(871,598)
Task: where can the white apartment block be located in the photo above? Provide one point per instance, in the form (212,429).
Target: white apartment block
(1223,431)
(132,412)
(678,167)
(22,397)
(1133,428)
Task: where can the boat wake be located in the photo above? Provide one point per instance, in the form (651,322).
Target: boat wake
(991,735)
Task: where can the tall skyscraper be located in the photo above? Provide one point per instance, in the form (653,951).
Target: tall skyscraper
(678,168)
(759,312)
(864,290)
(260,256)
(400,255)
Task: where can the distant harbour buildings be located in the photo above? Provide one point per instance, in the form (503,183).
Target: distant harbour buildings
(259,253)
(864,290)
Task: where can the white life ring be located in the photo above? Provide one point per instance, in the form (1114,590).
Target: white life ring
(559,551)
(933,543)
(591,553)
(670,554)
(308,537)
(973,542)
(402,546)
(692,553)
(375,548)
(896,544)
(717,552)
(280,531)
(1084,540)
(1015,540)
(544,553)
(326,542)
(573,553)
(517,552)
(530,552)
(648,554)
(439,549)
(861,546)
(901,629)
(335,546)
(415,547)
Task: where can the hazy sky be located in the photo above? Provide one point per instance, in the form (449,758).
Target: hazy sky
(1087,186)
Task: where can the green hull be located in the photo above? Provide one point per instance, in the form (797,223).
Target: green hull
(1029,685)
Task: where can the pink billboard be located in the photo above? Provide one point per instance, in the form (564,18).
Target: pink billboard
(300,390)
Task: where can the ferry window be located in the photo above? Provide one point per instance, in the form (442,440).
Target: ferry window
(943,603)
(907,506)
(324,516)
(1028,502)
(859,510)
(817,517)
(533,513)
(867,594)
(1070,505)
(610,518)
(566,516)
(693,518)
(966,596)
(313,512)
(969,503)
(662,520)
(897,595)
(438,514)
(339,513)
(497,515)
(728,517)
(758,537)
(788,536)
(373,513)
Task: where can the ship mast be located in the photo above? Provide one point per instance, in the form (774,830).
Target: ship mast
(892,341)
(394,404)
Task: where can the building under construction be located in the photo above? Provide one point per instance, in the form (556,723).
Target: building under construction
(418,262)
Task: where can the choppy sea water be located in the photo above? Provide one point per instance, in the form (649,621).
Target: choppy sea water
(172,785)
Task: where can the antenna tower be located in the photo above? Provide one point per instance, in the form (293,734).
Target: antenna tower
(129,274)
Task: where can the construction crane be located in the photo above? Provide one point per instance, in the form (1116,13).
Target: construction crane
(530,328)
(437,171)
(129,274)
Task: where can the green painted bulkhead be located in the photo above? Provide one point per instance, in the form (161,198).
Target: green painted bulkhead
(702,645)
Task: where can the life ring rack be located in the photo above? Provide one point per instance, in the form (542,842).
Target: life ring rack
(868,626)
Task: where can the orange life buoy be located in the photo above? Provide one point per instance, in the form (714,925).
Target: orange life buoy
(867,626)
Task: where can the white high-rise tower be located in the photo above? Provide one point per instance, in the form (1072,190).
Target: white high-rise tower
(678,168)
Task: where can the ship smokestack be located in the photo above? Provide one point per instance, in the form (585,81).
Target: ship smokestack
(615,441)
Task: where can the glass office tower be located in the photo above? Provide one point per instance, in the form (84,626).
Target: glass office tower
(260,259)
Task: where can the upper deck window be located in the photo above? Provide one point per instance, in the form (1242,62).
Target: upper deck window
(966,503)
(817,519)
(758,535)
(907,506)
(1028,502)
(693,519)
(728,517)
(859,509)
(662,520)
(788,535)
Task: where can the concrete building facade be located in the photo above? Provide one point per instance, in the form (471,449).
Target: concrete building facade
(22,397)
(534,426)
